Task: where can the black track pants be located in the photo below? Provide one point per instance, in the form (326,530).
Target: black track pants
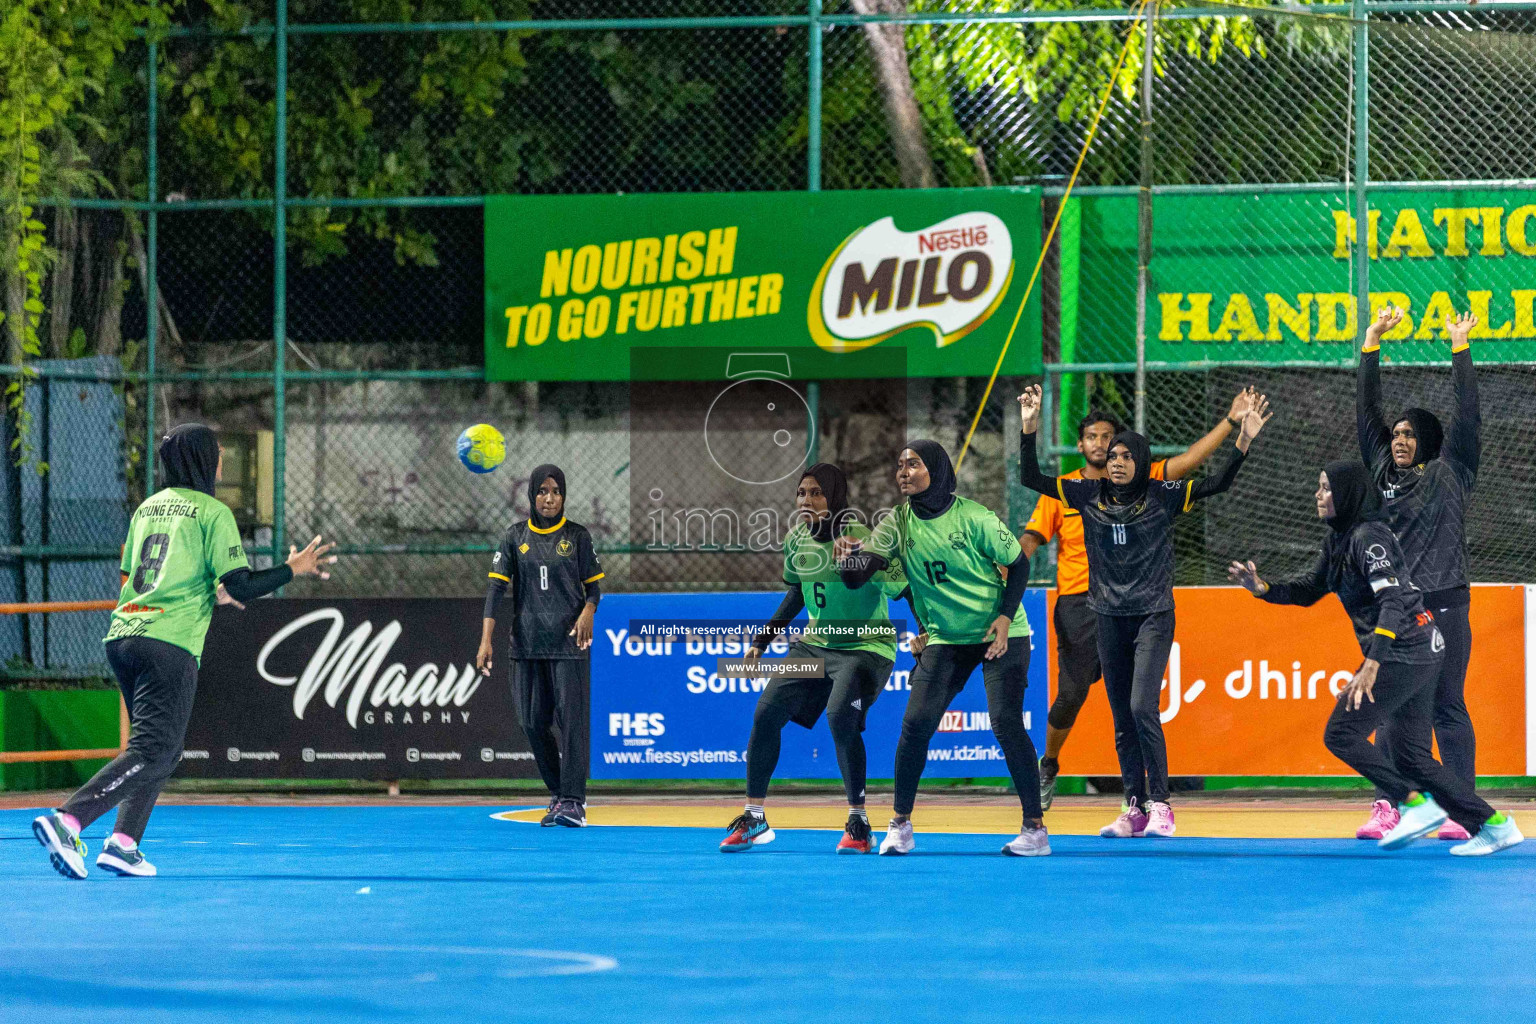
(941,673)
(554,704)
(1077,654)
(158,681)
(1453,725)
(1134,651)
(1405,701)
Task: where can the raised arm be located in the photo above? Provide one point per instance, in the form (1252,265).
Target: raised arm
(1463,441)
(1370,422)
(1253,422)
(1177,467)
(1029,459)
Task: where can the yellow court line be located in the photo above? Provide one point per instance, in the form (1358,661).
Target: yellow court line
(1194,822)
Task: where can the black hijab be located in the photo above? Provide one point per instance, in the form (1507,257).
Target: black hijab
(834,485)
(1141,454)
(540,474)
(1427,432)
(1355,497)
(935,501)
(189,457)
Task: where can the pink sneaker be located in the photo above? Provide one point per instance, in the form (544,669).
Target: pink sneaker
(1383,819)
(1451,830)
(1159,820)
(1132,822)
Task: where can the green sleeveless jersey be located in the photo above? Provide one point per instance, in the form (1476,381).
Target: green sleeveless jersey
(181,542)
(842,619)
(952,566)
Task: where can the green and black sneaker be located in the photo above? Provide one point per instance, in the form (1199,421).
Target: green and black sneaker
(66,852)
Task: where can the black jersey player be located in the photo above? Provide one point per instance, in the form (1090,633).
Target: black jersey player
(1395,684)
(1128,535)
(1426,474)
(551,569)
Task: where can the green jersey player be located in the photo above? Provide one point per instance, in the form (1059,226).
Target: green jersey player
(967,573)
(182,555)
(848,631)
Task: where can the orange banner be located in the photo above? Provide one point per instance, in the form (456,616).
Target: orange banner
(1250,686)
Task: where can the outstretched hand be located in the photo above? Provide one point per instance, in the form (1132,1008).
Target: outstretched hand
(309,561)
(1029,409)
(1241,403)
(1246,575)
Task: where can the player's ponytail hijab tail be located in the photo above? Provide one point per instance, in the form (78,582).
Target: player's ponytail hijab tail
(935,501)
(540,474)
(1355,497)
(834,486)
(1428,434)
(1141,453)
(189,457)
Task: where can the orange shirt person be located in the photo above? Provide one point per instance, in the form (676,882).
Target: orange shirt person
(1077,648)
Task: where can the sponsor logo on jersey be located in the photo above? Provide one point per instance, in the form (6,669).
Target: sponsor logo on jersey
(957,540)
(564,548)
(523,548)
(949,277)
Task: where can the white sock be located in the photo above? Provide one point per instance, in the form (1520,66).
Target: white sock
(756,809)
(859,811)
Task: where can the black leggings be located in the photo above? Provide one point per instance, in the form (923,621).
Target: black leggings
(1453,726)
(853,680)
(554,698)
(158,681)
(1405,700)
(1134,651)
(941,673)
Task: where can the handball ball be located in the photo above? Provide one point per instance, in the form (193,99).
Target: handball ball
(481,448)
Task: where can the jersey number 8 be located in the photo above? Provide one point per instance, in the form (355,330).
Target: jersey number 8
(543,577)
(151,557)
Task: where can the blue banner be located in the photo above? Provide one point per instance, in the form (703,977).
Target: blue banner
(660,711)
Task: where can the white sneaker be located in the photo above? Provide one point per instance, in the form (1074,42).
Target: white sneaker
(1490,839)
(127,861)
(898,839)
(1415,822)
(1032,842)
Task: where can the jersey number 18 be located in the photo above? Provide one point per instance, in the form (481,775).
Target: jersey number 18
(1117,532)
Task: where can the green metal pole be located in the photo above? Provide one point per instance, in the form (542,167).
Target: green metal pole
(1362,103)
(1144,222)
(813,101)
(280,289)
(151,290)
(813,403)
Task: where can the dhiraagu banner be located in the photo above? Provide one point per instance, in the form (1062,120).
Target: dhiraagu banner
(574,283)
(1268,275)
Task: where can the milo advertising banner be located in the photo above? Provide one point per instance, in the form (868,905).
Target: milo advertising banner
(575,283)
(1268,276)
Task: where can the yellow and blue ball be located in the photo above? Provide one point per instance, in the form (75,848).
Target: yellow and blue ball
(482,448)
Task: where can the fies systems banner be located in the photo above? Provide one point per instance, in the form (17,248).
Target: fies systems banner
(351,689)
(661,711)
(574,283)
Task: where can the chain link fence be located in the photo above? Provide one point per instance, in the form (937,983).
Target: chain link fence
(394,132)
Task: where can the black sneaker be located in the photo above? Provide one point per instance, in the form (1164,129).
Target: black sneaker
(1049,767)
(549,815)
(571,814)
(855,835)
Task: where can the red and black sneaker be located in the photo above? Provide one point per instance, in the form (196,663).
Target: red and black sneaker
(746,831)
(855,835)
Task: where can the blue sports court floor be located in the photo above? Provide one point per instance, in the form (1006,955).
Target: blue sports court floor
(446,914)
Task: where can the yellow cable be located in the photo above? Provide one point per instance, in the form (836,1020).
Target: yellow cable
(1045,247)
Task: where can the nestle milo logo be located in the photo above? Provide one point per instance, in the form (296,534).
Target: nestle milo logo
(949,278)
